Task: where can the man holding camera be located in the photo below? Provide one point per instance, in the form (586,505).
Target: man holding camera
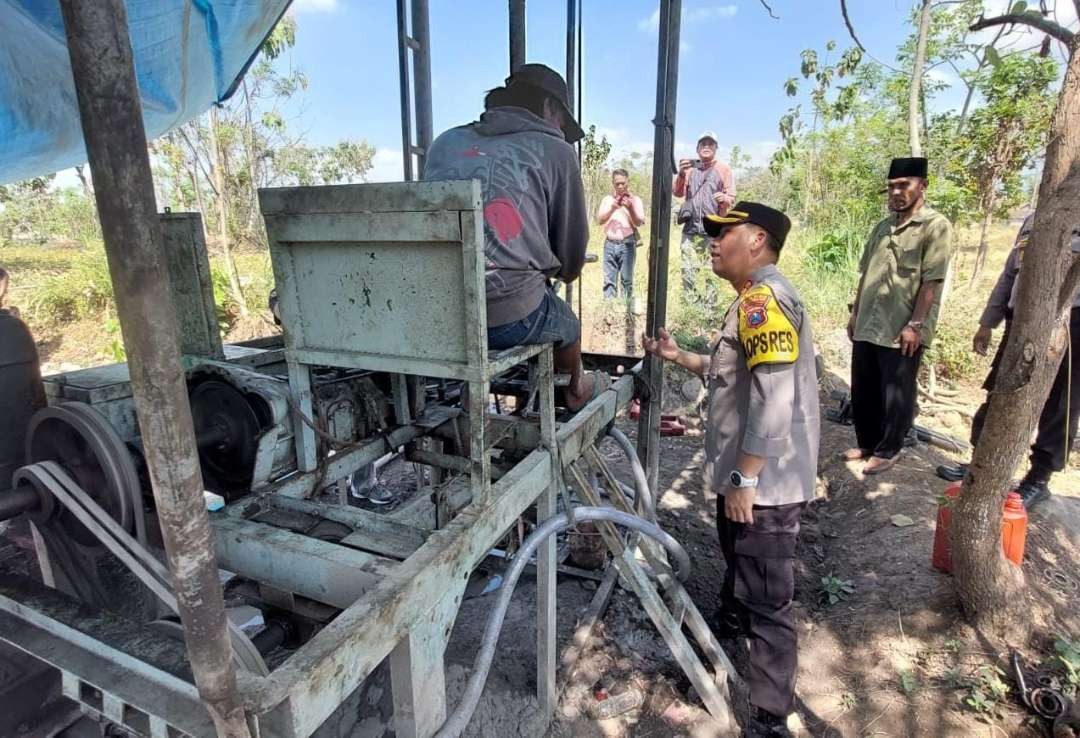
(620,213)
(708,188)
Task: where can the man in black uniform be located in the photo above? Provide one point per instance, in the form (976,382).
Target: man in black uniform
(1060,413)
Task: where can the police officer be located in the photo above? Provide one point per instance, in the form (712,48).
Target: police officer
(1060,415)
(761,444)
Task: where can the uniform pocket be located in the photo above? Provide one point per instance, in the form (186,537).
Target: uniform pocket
(908,258)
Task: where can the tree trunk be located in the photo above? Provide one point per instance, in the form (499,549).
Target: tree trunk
(255,226)
(915,93)
(984,234)
(80,170)
(991,589)
(220,184)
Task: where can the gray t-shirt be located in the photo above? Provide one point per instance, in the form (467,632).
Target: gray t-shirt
(763,393)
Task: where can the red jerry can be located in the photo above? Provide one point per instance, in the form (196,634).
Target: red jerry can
(1013,529)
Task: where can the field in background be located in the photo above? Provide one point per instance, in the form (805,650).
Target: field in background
(66,298)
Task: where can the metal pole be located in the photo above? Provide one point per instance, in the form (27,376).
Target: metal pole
(517,34)
(667,82)
(422,81)
(109,106)
(403,79)
(571,66)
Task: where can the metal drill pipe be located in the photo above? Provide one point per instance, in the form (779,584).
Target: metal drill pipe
(110,110)
(517,34)
(667,82)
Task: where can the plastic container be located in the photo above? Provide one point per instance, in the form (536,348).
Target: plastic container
(1013,529)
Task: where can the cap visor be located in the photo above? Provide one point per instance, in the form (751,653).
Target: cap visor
(713,224)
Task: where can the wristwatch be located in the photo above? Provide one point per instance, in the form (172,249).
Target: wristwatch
(916,324)
(739,481)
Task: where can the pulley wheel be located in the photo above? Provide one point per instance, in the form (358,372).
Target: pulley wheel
(226,430)
(245,655)
(82,441)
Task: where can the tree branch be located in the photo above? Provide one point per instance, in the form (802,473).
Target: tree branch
(1047,26)
(851,32)
(776,17)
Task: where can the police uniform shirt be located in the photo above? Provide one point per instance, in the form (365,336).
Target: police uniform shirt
(896,261)
(1003,297)
(763,392)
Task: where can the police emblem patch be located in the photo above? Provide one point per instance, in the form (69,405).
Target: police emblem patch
(754,307)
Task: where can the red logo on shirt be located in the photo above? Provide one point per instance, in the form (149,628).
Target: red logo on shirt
(754,308)
(473,153)
(502,216)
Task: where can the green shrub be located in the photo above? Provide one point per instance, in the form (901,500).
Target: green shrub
(83,290)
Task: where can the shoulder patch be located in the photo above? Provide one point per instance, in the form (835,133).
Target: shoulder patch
(765,332)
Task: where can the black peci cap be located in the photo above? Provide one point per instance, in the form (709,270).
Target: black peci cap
(744,211)
(908,166)
(547,80)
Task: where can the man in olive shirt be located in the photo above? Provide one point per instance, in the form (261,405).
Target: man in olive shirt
(761,445)
(892,319)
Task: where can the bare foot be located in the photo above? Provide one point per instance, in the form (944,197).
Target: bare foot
(854,454)
(877,464)
(575,400)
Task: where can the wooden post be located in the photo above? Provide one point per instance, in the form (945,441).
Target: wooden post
(546,560)
(111,113)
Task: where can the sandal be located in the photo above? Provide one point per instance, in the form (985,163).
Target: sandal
(882,464)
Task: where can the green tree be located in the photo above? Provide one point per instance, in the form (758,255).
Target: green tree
(595,152)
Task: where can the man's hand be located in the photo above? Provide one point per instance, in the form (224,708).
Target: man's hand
(739,504)
(851,326)
(910,340)
(981,342)
(684,166)
(663,345)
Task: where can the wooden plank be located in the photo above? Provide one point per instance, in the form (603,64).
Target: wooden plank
(303,435)
(543,374)
(321,571)
(670,631)
(369,526)
(184,247)
(384,363)
(358,229)
(417,672)
(382,197)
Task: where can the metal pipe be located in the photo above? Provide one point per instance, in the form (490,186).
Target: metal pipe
(571,56)
(110,109)
(667,81)
(14,502)
(441,461)
(403,80)
(517,34)
(421,34)
(642,491)
(459,719)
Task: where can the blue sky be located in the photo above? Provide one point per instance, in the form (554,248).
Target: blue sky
(734,61)
(348,50)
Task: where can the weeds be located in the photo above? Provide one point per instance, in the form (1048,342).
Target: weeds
(833,589)
(909,682)
(1067,658)
(985,693)
(81,291)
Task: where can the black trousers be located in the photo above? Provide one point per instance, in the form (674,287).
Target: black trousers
(759,584)
(883,393)
(1060,413)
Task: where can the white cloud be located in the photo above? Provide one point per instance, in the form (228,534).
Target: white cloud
(692,15)
(709,12)
(652,23)
(315,6)
(386,166)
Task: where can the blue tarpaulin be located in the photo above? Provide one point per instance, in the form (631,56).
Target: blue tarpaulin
(188,55)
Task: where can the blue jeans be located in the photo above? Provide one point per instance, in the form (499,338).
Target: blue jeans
(619,261)
(552,322)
